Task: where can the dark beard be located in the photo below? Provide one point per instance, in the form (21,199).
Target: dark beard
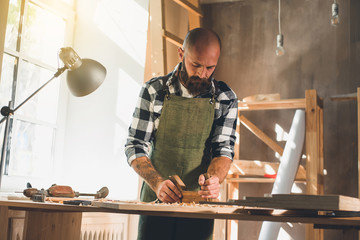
(194,84)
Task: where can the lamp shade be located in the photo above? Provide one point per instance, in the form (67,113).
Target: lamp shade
(86,78)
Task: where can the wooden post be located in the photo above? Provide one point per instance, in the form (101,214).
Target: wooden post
(158,42)
(312,143)
(313,156)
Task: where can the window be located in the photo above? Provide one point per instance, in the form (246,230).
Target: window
(35,32)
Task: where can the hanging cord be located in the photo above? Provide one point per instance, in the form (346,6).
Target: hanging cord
(280,16)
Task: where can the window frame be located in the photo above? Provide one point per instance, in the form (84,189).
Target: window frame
(65,11)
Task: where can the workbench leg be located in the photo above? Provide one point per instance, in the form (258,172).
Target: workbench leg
(4,222)
(232,225)
(41,225)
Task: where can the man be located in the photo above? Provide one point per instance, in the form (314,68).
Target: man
(183,124)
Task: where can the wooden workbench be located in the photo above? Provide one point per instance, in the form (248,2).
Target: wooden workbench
(58,221)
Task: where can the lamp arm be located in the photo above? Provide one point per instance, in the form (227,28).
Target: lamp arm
(6,111)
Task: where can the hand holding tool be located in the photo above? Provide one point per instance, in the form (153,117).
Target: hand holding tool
(189,196)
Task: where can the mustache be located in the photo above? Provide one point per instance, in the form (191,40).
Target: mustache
(198,79)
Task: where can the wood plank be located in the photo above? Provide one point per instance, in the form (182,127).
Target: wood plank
(217,211)
(190,7)
(41,225)
(262,97)
(321,173)
(257,180)
(172,38)
(178,182)
(247,168)
(303,201)
(344,97)
(4,222)
(272,105)
(194,19)
(261,135)
(194,197)
(164,209)
(312,143)
(208,211)
(158,43)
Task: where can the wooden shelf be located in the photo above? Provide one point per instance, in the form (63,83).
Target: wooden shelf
(271,105)
(255,170)
(255,180)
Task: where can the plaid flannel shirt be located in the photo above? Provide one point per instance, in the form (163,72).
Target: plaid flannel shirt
(148,110)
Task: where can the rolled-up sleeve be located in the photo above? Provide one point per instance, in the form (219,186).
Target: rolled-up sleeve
(138,143)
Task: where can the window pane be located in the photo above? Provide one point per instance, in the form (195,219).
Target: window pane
(7,76)
(43,34)
(30,151)
(12,27)
(70,2)
(43,106)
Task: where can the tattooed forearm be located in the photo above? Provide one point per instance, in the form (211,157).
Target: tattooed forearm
(219,166)
(146,170)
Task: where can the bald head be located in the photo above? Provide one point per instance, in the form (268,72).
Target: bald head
(200,37)
(199,55)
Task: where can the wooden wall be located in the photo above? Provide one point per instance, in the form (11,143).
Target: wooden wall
(318,56)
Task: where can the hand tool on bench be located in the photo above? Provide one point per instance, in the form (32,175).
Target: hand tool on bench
(67,191)
(189,196)
(60,191)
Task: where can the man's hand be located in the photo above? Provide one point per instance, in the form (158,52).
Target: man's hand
(167,192)
(210,188)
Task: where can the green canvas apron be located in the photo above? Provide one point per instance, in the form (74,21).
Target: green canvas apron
(185,125)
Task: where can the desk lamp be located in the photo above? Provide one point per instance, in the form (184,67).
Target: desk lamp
(83,77)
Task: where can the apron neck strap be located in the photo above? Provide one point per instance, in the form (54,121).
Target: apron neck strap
(167,91)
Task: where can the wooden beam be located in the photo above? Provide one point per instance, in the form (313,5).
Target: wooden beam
(158,42)
(172,38)
(190,7)
(344,97)
(272,105)
(4,6)
(194,19)
(261,135)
